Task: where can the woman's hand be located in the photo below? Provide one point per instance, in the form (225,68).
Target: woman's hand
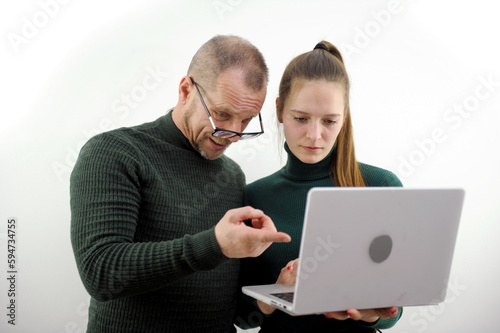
(369,315)
(287,275)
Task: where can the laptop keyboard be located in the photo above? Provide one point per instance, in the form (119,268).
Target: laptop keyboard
(286,296)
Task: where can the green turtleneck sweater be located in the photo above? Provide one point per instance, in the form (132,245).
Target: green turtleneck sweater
(282,196)
(144,204)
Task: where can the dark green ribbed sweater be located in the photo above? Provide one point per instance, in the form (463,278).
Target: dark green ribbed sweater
(144,205)
(282,196)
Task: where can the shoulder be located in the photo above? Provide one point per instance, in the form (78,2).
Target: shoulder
(125,141)
(107,152)
(375,176)
(112,143)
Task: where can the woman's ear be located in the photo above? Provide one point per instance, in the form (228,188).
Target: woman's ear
(279,113)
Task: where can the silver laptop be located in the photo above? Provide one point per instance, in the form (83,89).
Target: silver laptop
(370,247)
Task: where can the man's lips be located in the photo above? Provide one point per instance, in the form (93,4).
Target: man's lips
(219,146)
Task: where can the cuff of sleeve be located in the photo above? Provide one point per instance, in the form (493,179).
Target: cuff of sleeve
(383,323)
(203,251)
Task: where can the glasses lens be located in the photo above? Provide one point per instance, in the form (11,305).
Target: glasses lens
(249,135)
(223,134)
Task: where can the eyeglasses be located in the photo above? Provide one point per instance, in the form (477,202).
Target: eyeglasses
(223,133)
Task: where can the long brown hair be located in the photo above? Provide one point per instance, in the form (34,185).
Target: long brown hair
(327,65)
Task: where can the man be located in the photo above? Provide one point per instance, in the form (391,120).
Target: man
(145,202)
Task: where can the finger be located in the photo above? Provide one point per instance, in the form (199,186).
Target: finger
(265,222)
(339,315)
(354,314)
(368,315)
(244,213)
(265,236)
(287,275)
(387,313)
(293,266)
(258,219)
(256,223)
(394,311)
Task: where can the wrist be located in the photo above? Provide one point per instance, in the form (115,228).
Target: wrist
(219,239)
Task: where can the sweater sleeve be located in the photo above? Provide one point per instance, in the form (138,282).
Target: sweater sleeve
(105,198)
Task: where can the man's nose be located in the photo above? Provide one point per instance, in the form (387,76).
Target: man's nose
(234,126)
(234,139)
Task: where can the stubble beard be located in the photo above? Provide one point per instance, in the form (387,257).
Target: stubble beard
(197,145)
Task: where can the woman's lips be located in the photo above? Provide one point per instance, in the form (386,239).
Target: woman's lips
(311,149)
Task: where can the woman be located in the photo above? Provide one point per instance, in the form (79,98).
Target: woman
(313,107)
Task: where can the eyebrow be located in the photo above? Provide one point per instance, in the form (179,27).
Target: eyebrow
(326,115)
(232,113)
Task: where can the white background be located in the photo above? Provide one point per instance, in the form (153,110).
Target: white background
(421,103)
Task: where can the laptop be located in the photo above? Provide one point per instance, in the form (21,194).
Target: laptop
(371,247)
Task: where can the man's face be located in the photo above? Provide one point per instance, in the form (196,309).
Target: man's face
(232,105)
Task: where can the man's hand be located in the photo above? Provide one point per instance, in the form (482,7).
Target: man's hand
(238,240)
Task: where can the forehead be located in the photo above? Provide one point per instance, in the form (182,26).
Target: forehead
(316,95)
(231,94)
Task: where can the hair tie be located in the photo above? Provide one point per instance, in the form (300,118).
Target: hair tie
(321,46)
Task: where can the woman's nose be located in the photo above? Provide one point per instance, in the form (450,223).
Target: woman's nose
(313,131)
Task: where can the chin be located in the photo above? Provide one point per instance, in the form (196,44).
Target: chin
(311,159)
(207,152)
(210,155)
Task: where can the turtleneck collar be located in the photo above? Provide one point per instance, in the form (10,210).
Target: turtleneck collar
(173,134)
(297,170)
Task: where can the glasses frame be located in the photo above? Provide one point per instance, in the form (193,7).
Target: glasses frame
(223,133)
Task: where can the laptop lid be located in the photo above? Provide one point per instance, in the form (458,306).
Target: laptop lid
(376,247)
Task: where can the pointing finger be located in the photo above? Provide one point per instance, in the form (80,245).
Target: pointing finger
(265,236)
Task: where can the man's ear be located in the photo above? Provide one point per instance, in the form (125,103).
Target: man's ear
(186,86)
(278,113)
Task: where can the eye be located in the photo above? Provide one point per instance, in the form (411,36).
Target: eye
(247,120)
(300,119)
(330,121)
(220,116)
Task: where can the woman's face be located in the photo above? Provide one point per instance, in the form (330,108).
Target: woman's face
(312,118)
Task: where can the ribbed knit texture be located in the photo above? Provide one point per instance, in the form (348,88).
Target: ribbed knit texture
(282,196)
(144,205)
